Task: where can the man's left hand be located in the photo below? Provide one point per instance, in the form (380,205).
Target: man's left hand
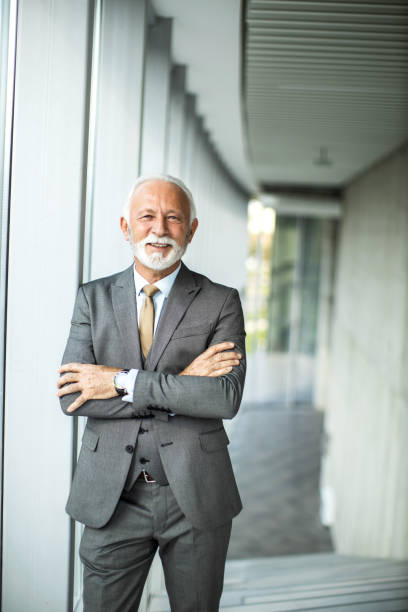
(92,381)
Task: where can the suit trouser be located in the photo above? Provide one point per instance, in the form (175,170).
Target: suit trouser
(117,557)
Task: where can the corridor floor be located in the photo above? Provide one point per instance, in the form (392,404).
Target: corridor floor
(281,558)
(323,582)
(276,456)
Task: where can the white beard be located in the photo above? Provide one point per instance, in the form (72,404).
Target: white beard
(157,261)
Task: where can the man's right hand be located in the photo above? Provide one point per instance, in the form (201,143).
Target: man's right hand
(215,361)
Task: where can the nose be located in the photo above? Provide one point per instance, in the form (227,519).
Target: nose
(160,226)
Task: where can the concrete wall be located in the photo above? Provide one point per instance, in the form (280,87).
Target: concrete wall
(366,468)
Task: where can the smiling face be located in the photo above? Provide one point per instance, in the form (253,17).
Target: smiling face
(158,228)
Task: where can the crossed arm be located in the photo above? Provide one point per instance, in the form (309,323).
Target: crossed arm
(210,386)
(96,381)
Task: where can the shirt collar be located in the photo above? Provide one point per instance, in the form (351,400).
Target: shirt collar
(164,284)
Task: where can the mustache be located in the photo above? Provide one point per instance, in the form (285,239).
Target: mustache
(152,238)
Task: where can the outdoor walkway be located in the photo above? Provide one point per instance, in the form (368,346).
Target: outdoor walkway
(276,456)
(324,582)
(281,558)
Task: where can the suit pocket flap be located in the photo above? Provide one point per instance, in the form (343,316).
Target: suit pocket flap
(214,440)
(192,330)
(90,439)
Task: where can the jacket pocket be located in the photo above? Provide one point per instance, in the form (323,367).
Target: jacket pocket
(192,330)
(214,440)
(90,439)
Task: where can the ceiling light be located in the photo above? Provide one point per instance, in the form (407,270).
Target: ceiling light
(323,158)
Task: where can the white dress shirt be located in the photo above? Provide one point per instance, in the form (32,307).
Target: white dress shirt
(159,299)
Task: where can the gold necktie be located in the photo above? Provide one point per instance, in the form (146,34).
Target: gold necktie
(146,322)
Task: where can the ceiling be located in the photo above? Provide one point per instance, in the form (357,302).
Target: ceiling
(325,85)
(326,88)
(206,37)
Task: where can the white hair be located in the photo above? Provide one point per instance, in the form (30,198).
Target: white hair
(168,179)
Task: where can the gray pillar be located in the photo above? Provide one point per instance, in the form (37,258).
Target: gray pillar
(156,97)
(189,139)
(175,124)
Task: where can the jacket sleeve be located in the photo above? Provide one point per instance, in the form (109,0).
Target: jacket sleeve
(200,396)
(79,349)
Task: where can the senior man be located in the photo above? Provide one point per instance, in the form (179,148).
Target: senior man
(155,360)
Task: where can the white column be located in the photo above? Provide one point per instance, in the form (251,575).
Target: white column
(46,192)
(189,151)
(175,124)
(117,131)
(219,247)
(156,97)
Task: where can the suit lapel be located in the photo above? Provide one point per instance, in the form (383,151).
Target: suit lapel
(124,307)
(182,294)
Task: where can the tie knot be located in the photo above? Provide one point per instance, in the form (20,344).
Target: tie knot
(150,290)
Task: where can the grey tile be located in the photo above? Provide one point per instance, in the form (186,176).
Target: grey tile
(276,460)
(323,581)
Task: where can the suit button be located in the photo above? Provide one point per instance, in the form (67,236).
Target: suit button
(142,430)
(144,460)
(129,448)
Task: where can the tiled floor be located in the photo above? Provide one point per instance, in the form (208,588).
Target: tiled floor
(276,457)
(280,557)
(322,582)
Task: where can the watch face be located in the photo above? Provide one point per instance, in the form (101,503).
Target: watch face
(119,381)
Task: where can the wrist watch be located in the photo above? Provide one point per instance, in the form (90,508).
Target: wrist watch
(119,382)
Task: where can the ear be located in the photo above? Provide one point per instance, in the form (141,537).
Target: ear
(124,228)
(193,228)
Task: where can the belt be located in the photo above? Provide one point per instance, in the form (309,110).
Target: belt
(145,477)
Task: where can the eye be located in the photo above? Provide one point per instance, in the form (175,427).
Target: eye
(173,218)
(147,217)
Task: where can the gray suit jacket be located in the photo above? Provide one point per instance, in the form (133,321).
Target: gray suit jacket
(192,444)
